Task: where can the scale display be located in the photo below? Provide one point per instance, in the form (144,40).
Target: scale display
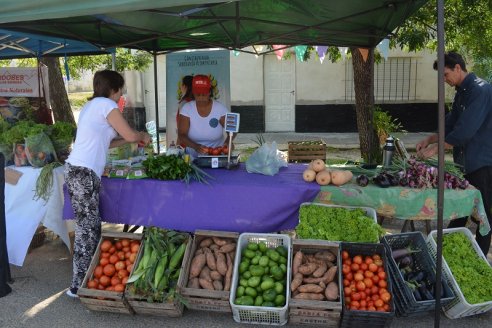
(232,122)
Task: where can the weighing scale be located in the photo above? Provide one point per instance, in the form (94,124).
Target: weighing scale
(231,127)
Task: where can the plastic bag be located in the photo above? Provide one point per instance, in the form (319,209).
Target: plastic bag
(265,160)
(40,150)
(20,156)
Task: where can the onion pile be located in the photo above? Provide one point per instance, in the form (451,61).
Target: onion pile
(420,175)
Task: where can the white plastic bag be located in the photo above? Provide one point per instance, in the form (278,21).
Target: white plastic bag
(265,160)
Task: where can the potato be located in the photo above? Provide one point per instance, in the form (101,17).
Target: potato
(193,283)
(221,263)
(310,288)
(206,242)
(307,269)
(215,275)
(296,282)
(296,262)
(325,256)
(309,296)
(331,291)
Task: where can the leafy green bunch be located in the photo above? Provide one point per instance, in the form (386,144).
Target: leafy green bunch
(173,167)
(472,273)
(20,130)
(337,224)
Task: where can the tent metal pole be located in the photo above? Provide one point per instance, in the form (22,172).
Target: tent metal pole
(441,134)
(113,60)
(156,97)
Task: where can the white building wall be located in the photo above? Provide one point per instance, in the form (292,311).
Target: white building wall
(316,82)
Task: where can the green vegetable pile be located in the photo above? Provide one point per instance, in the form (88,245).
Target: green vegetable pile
(173,167)
(156,275)
(337,224)
(472,273)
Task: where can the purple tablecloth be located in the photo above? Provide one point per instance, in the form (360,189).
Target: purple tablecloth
(234,201)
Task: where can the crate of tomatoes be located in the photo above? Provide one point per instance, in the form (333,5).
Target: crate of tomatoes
(104,284)
(367,299)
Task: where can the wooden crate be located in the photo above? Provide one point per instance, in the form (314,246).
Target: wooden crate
(102,300)
(306,151)
(175,308)
(202,299)
(326,313)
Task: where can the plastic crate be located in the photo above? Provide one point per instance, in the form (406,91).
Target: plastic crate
(359,318)
(458,307)
(406,304)
(260,314)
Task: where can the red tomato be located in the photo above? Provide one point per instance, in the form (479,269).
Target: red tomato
(355,267)
(345,269)
(386,297)
(382,275)
(358,277)
(382,283)
(357,259)
(360,285)
(356,296)
(363,266)
(368,260)
(368,282)
(372,267)
(345,255)
(216,151)
(225,150)
(368,274)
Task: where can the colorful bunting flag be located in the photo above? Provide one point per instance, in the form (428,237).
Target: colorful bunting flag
(279,51)
(343,51)
(300,51)
(321,52)
(364,52)
(383,47)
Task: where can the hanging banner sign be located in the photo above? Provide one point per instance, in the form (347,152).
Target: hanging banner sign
(20,98)
(22,82)
(214,63)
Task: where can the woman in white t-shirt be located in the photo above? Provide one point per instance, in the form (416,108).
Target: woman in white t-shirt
(201,122)
(100,121)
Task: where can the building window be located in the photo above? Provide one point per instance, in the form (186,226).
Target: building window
(395,80)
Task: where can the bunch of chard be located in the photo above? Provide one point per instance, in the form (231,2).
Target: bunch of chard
(416,174)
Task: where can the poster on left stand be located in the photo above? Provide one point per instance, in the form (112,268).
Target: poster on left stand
(24,94)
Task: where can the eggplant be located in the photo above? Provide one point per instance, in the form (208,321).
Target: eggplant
(417,276)
(405,261)
(382,181)
(362,180)
(425,293)
(417,295)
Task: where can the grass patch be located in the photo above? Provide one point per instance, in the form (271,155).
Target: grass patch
(78,99)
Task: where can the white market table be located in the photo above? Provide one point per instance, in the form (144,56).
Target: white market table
(23,214)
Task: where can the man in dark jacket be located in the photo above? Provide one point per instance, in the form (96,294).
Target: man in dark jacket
(468,133)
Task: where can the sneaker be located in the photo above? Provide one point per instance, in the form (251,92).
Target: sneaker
(72,292)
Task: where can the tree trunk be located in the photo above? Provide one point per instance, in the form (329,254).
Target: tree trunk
(58,95)
(364,105)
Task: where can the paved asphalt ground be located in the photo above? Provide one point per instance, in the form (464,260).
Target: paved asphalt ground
(38,299)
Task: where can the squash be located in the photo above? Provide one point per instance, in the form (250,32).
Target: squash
(309,175)
(340,177)
(318,165)
(323,178)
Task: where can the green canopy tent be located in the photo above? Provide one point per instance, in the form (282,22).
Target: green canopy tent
(163,26)
(170,25)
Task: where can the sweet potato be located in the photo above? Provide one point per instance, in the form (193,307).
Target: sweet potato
(310,288)
(214,247)
(211,261)
(205,274)
(206,284)
(330,274)
(221,263)
(296,262)
(206,242)
(322,285)
(193,283)
(228,276)
(325,256)
(215,275)
(309,296)
(219,241)
(320,271)
(217,285)
(296,282)
(197,265)
(227,248)
(307,269)
(331,291)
